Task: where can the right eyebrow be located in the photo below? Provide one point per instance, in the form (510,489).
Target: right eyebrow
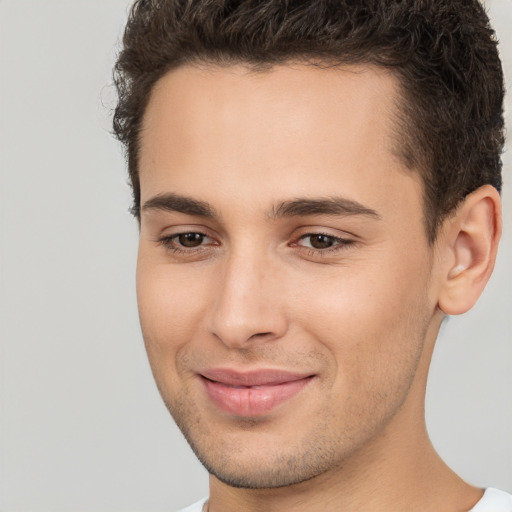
(171,202)
(322,206)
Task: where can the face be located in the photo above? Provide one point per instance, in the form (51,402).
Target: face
(284,275)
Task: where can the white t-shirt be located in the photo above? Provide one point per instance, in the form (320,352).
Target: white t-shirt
(493,500)
(196,507)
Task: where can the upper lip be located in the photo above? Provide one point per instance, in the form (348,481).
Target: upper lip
(258,377)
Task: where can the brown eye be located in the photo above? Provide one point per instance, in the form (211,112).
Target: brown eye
(321,241)
(190,239)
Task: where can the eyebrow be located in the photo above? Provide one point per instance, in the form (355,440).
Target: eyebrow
(300,207)
(176,203)
(322,206)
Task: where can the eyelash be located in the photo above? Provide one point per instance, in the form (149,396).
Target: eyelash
(169,243)
(339,244)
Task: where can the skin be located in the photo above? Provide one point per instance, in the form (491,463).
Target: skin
(361,316)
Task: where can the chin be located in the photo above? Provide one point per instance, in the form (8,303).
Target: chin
(269,463)
(262,474)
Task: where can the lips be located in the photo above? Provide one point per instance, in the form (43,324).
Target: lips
(252,393)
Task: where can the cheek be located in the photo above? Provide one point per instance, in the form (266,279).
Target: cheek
(369,298)
(169,309)
(374,332)
(370,319)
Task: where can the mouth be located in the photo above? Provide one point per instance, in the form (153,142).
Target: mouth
(254,393)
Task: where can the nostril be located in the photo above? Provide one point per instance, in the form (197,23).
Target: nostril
(261,335)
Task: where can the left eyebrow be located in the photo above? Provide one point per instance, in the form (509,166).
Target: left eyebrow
(322,206)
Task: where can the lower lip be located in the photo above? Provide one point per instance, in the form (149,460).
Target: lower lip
(252,401)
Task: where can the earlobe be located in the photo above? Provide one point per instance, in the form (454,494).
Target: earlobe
(469,246)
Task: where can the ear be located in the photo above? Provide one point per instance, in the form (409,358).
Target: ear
(468,247)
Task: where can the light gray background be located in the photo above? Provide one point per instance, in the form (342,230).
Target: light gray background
(82,427)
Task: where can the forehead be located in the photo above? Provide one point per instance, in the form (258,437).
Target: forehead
(284,106)
(290,131)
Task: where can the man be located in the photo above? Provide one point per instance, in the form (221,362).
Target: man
(317,185)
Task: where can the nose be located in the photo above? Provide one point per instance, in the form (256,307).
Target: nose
(248,305)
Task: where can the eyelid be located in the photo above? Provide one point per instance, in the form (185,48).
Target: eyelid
(342,242)
(313,230)
(169,231)
(327,235)
(337,239)
(168,239)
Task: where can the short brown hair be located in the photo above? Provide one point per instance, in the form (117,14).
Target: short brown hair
(443,52)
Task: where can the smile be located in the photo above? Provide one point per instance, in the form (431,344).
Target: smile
(252,394)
